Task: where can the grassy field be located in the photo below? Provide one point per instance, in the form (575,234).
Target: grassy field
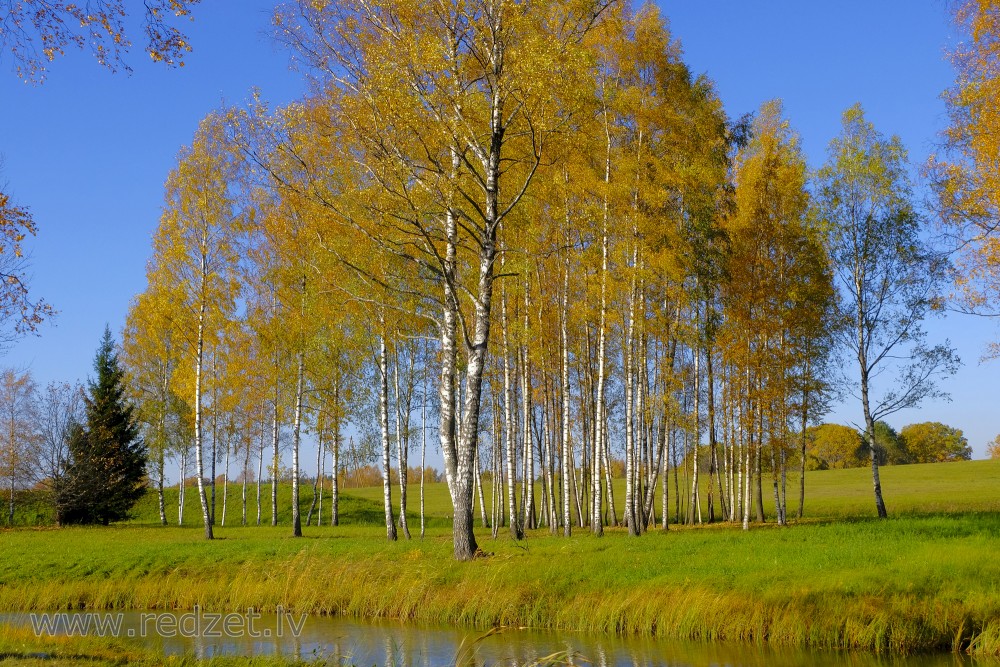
(830,494)
(926,579)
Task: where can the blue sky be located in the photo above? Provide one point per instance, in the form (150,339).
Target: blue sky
(89,151)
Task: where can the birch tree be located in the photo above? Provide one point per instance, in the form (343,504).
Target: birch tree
(964,174)
(451,115)
(150,359)
(779,293)
(194,252)
(887,275)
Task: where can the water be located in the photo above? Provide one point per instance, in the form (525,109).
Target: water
(361,643)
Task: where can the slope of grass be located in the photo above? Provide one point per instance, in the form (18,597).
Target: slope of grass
(926,579)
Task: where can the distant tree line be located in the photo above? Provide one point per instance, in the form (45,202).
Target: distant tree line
(837,446)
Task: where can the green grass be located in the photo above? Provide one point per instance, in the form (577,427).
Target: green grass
(926,579)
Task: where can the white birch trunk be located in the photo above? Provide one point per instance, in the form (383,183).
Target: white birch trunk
(322,480)
(274,458)
(402,447)
(565,456)
(335,472)
(181,487)
(628,361)
(225,483)
(316,480)
(694,509)
(199,355)
(296,443)
(383,420)
(527,446)
(423,453)
(516,530)
(260,463)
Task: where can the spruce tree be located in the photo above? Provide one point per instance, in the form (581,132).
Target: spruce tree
(107,470)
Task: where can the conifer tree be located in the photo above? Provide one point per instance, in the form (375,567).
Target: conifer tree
(106,474)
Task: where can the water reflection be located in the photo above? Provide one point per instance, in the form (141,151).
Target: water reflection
(352,642)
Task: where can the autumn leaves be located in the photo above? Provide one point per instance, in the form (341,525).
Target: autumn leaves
(593,257)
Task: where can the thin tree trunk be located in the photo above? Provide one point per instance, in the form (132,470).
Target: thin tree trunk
(870,436)
(274,458)
(551,519)
(802,450)
(745,473)
(335,472)
(496,501)
(225,481)
(383,419)
(160,472)
(402,440)
(296,442)
(477,480)
(713,465)
(423,453)
(758,479)
(784,490)
(322,481)
(199,356)
(181,488)
(160,456)
(665,509)
(565,455)
(319,472)
(215,404)
(606,464)
(246,474)
(11,439)
(260,463)
(596,521)
(510,444)
(694,508)
(774,481)
(527,448)
(628,361)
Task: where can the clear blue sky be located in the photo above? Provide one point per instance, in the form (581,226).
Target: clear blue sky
(89,151)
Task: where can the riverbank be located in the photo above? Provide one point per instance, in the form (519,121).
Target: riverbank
(898,586)
(924,580)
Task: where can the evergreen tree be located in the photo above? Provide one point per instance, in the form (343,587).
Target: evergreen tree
(107,470)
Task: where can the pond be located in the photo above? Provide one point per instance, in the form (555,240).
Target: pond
(365,643)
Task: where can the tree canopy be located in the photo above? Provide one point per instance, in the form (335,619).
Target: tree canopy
(933,442)
(33,33)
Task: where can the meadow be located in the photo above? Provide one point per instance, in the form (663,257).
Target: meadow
(927,579)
